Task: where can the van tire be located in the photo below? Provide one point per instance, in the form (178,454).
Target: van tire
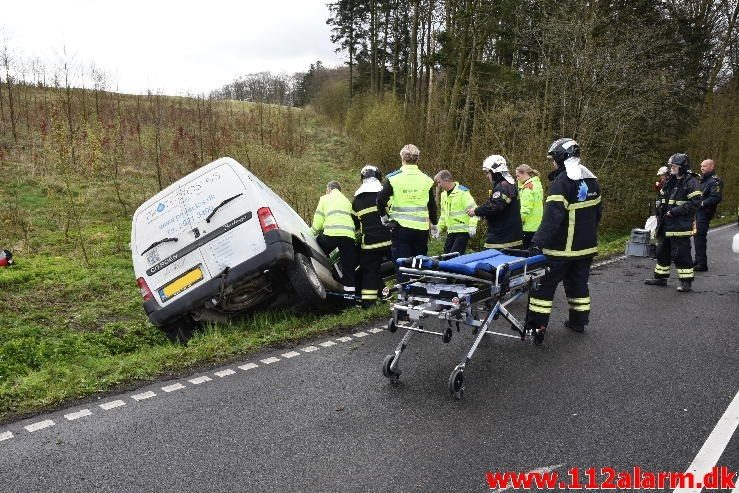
(306,284)
(180,330)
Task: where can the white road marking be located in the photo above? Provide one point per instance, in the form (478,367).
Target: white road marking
(327,344)
(40,425)
(249,366)
(113,404)
(78,414)
(360,334)
(6,436)
(173,387)
(224,373)
(535,471)
(344,339)
(291,354)
(711,451)
(143,396)
(271,360)
(376,330)
(199,380)
(309,349)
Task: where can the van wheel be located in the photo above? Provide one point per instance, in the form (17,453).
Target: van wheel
(180,330)
(306,283)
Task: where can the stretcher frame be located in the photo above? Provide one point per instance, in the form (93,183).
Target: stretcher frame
(474,301)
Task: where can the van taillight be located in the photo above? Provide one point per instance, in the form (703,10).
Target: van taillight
(144,288)
(266,219)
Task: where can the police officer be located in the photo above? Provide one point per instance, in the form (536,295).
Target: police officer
(334,226)
(375,244)
(503,208)
(455,199)
(680,198)
(568,236)
(710,186)
(413,207)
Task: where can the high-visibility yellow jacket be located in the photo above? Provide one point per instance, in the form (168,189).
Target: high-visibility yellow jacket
(411,188)
(532,203)
(333,216)
(454,205)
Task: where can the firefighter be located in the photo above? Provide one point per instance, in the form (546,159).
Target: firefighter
(532,201)
(710,186)
(334,226)
(413,207)
(503,208)
(455,199)
(680,199)
(375,243)
(568,236)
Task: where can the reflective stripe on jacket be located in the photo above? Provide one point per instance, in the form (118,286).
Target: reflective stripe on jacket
(681,198)
(333,216)
(454,205)
(410,197)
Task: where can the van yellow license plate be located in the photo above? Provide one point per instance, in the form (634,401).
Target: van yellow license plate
(181,283)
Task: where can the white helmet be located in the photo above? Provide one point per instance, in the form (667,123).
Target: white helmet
(664,170)
(495,164)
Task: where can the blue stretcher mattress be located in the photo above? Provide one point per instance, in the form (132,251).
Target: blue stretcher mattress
(486,261)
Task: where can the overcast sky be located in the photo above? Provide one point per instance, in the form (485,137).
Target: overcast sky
(172,46)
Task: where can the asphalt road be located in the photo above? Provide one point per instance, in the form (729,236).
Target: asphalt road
(645,386)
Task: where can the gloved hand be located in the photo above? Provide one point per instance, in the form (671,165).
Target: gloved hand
(472,231)
(434,230)
(534,250)
(385,221)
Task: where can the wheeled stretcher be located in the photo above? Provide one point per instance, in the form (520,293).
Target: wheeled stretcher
(450,291)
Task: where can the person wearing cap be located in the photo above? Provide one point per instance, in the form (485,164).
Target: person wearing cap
(334,226)
(711,188)
(568,236)
(663,174)
(532,201)
(413,214)
(503,208)
(680,198)
(455,199)
(375,242)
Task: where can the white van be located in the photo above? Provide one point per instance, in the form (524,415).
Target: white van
(219,242)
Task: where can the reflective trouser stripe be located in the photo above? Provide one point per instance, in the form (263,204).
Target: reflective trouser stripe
(376,245)
(679,233)
(369,294)
(579,304)
(685,273)
(662,270)
(540,306)
(504,245)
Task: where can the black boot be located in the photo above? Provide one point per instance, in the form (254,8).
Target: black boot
(579,328)
(684,286)
(700,267)
(656,282)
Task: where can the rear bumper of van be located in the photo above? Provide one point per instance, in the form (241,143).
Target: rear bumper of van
(279,252)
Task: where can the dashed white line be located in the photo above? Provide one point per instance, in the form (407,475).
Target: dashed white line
(224,373)
(6,436)
(269,361)
(327,344)
(112,405)
(249,366)
(143,396)
(199,380)
(309,349)
(711,451)
(78,414)
(40,425)
(173,387)
(291,354)
(360,334)
(376,330)
(344,339)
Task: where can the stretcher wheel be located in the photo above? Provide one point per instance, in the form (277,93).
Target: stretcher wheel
(387,371)
(447,335)
(456,383)
(539,337)
(391,325)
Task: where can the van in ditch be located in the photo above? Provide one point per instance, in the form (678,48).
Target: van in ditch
(219,242)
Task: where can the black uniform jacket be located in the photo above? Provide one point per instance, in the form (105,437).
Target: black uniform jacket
(503,214)
(712,190)
(681,198)
(573,208)
(374,234)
